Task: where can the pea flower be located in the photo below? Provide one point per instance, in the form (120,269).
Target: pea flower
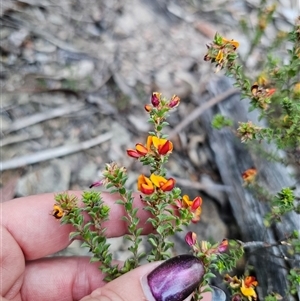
(155,99)
(162,183)
(162,146)
(139,151)
(145,185)
(58,212)
(223,246)
(249,175)
(194,206)
(174,102)
(148,185)
(232,42)
(247,287)
(191,238)
(154,144)
(250,281)
(262,95)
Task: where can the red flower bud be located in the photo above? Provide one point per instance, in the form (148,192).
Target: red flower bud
(223,246)
(96,184)
(191,238)
(148,108)
(155,99)
(133,153)
(174,102)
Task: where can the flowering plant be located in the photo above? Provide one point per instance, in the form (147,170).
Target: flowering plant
(169,211)
(275,94)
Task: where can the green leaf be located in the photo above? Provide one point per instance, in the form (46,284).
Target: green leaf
(152,242)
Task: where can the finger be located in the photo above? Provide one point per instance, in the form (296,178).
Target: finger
(174,279)
(66,278)
(39,234)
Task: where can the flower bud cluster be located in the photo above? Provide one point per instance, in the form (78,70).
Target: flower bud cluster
(221,51)
(160,103)
(204,247)
(248,131)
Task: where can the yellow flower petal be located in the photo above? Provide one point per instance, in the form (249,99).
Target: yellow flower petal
(248,292)
(186,200)
(234,43)
(157,180)
(219,57)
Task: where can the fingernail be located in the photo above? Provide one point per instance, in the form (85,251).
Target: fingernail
(173,280)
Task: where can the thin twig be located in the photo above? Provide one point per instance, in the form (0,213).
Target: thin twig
(39,117)
(53,153)
(17,139)
(200,110)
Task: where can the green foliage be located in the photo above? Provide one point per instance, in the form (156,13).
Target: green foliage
(294,281)
(226,262)
(283,203)
(221,121)
(272,297)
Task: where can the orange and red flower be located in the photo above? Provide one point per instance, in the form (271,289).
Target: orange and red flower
(162,146)
(249,175)
(194,206)
(139,151)
(162,183)
(247,287)
(148,185)
(145,185)
(154,145)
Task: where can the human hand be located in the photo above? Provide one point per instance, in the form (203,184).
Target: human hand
(29,233)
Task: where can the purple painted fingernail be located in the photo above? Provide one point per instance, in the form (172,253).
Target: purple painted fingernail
(175,279)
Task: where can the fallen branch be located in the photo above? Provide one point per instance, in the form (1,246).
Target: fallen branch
(53,153)
(21,123)
(17,139)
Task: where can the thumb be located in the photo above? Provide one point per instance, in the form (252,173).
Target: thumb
(173,280)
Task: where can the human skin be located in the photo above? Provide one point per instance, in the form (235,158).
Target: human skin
(29,233)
